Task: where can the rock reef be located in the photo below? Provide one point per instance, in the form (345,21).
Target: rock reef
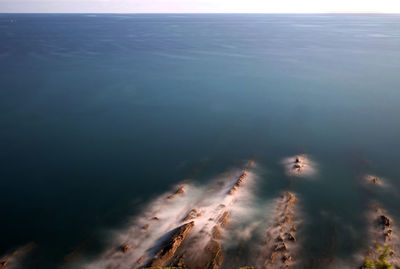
(384,246)
(170,246)
(298,166)
(279,249)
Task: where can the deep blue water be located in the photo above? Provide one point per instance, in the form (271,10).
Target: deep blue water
(101,113)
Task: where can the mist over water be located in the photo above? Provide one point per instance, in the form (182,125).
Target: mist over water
(102,116)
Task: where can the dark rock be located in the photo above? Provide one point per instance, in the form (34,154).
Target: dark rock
(385,221)
(290,237)
(124,248)
(280,247)
(286,258)
(279,239)
(388,234)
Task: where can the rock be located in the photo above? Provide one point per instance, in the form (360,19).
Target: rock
(297,166)
(385,221)
(124,248)
(286,219)
(272,257)
(214,255)
(388,235)
(286,258)
(170,246)
(279,239)
(216,232)
(290,237)
(376,180)
(146,226)
(194,213)
(140,260)
(241,179)
(3,264)
(223,220)
(156,218)
(297,160)
(180,190)
(280,247)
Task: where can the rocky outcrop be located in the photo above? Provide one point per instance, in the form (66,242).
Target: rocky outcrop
(373,181)
(213,254)
(194,213)
(14,259)
(384,240)
(3,264)
(179,191)
(280,241)
(299,166)
(170,246)
(239,182)
(125,248)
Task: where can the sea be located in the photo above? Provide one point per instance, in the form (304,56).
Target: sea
(100,114)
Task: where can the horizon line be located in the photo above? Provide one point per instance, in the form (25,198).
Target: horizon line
(266,13)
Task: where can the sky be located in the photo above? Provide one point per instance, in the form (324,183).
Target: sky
(199,6)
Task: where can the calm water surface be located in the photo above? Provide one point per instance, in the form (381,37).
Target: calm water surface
(99,114)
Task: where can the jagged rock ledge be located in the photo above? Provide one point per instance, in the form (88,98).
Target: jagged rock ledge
(281,235)
(170,246)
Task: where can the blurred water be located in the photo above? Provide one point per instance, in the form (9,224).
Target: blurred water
(101,113)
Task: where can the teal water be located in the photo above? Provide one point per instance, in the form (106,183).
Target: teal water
(99,114)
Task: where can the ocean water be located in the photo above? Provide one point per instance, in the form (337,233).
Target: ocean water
(101,114)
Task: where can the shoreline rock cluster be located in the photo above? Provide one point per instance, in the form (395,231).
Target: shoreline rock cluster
(281,235)
(384,241)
